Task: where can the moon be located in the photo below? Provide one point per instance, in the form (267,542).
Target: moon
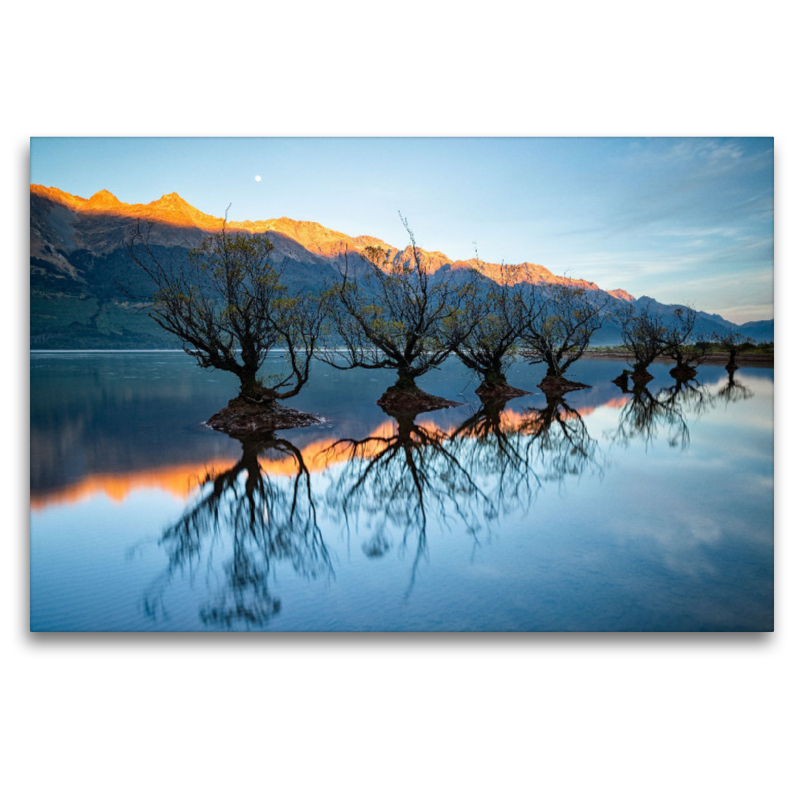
(258,178)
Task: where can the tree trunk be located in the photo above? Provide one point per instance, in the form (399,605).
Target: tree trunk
(253,391)
(405,397)
(494,378)
(495,386)
(405,383)
(553,368)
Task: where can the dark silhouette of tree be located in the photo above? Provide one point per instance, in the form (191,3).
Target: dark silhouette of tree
(733,343)
(398,478)
(507,308)
(676,343)
(228,307)
(393,315)
(560,332)
(251,520)
(643,333)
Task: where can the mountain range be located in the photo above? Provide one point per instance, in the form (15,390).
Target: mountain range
(86,293)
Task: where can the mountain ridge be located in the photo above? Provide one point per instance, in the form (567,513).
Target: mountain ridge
(83,284)
(172,209)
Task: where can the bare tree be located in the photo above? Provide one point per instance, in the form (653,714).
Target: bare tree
(643,333)
(396,316)
(733,343)
(675,342)
(227,305)
(490,347)
(560,332)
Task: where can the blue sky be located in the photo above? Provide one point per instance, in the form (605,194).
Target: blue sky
(681,220)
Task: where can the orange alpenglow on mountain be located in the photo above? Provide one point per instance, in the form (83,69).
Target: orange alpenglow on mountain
(173,210)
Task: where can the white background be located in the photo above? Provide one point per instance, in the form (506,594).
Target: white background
(559,716)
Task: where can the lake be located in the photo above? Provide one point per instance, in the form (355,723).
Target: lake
(604,511)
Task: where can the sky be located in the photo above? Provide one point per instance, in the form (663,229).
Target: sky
(681,220)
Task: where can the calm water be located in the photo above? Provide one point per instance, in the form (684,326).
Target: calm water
(607,511)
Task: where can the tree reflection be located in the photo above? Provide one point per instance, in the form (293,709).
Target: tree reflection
(398,479)
(251,519)
(558,440)
(645,413)
(734,391)
(491,446)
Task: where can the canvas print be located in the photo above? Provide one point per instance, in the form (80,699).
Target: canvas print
(412,384)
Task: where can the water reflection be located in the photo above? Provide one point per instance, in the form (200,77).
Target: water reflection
(671,408)
(491,444)
(733,391)
(559,441)
(249,532)
(246,519)
(397,479)
(646,414)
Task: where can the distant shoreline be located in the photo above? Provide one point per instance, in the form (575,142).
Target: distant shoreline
(743,359)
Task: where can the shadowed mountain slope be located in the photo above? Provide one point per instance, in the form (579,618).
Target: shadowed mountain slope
(86,292)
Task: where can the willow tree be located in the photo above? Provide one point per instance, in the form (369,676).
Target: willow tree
(506,309)
(560,332)
(675,340)
(643,333)
(733,343)
(227,305)
(394,315)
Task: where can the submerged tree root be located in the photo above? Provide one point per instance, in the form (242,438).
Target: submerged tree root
(412,401)
(556,386)
(641,378)
(242,418)
(491,393)
(683,373)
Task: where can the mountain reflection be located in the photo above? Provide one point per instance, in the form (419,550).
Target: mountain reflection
(393,489)
(247,520)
